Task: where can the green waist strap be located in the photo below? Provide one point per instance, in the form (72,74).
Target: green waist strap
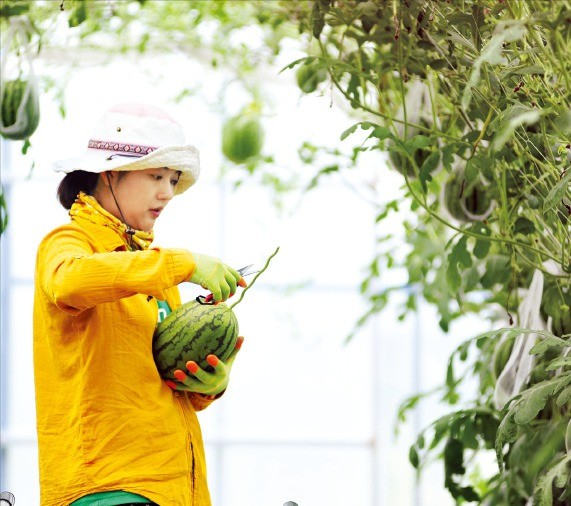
(109,499)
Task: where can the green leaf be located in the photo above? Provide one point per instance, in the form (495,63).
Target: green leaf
(381,133)
(481,246)
(527,70)
(454,466)
(511,119)
(142,45)
(468,435)
(409,404)
(512,332)
(524,226)
(556,194)
(459,39)
(477,166)
(427,167)
(418,142)
(441,428)
(320,7)
(392,205)
(454,457)
(349,131)
(305,60)
(368,8)
(558,475)
(564,397)
(507,433)
(460,253)
(459,18)
(9,9)
(548,341)
(471,171)
(315,179)
(78,15)
(398,146)
(498,271)
(559,362)
(365,125)
(450,378)
(413,457)
(524,407)
(533,400)
(488,428)
(458,256)
(453,278)
(448,152)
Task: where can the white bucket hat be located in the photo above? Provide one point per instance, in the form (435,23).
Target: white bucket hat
(137,137)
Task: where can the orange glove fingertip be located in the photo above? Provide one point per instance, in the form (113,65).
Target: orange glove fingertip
(212,360)
(179,375)
(192,366)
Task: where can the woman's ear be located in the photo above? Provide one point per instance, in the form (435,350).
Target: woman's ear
(106,177)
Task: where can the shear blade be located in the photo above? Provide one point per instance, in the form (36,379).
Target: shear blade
(245,271)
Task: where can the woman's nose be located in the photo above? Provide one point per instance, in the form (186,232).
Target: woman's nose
(167,191)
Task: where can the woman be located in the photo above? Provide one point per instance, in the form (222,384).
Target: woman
(110,431)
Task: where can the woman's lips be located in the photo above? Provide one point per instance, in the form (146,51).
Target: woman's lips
(156,212)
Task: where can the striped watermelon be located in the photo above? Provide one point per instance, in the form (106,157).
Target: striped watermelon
(192,332)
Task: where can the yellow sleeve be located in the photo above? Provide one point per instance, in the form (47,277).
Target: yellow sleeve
(75,277)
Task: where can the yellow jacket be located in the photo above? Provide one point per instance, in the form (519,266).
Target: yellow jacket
(105,419)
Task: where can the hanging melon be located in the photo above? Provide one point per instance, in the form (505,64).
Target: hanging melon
(20,114)
(242,137)
(19,100)
(466,201)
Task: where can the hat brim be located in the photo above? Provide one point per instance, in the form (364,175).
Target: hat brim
(180,158)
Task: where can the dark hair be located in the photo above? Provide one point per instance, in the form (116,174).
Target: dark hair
(73,183)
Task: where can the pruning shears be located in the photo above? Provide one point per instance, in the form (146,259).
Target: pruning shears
(207,299)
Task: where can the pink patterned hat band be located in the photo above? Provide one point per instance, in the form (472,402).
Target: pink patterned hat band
(133,149)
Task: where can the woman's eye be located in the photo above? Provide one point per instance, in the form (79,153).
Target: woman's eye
(157,177)
(174,182)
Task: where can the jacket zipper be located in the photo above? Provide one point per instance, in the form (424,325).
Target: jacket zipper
(189,448)
(192,465)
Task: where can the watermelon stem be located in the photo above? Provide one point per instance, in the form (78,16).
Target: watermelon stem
(256,277)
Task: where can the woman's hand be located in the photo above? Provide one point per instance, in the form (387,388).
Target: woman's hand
(217,277)
(203,382)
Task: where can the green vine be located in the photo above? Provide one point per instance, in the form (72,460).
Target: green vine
(266,265)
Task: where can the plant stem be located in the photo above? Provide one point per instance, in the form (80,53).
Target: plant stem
(255,277)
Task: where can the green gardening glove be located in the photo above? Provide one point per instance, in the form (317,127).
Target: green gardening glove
(203,382)
(213,275)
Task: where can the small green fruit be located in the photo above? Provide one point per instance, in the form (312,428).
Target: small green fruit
(242,138)
(309,76)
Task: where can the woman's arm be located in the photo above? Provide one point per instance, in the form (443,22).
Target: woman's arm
(76,278)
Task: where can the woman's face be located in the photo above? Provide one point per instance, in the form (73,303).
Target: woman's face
(142,195)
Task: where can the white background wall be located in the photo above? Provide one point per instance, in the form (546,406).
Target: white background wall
(306,418)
